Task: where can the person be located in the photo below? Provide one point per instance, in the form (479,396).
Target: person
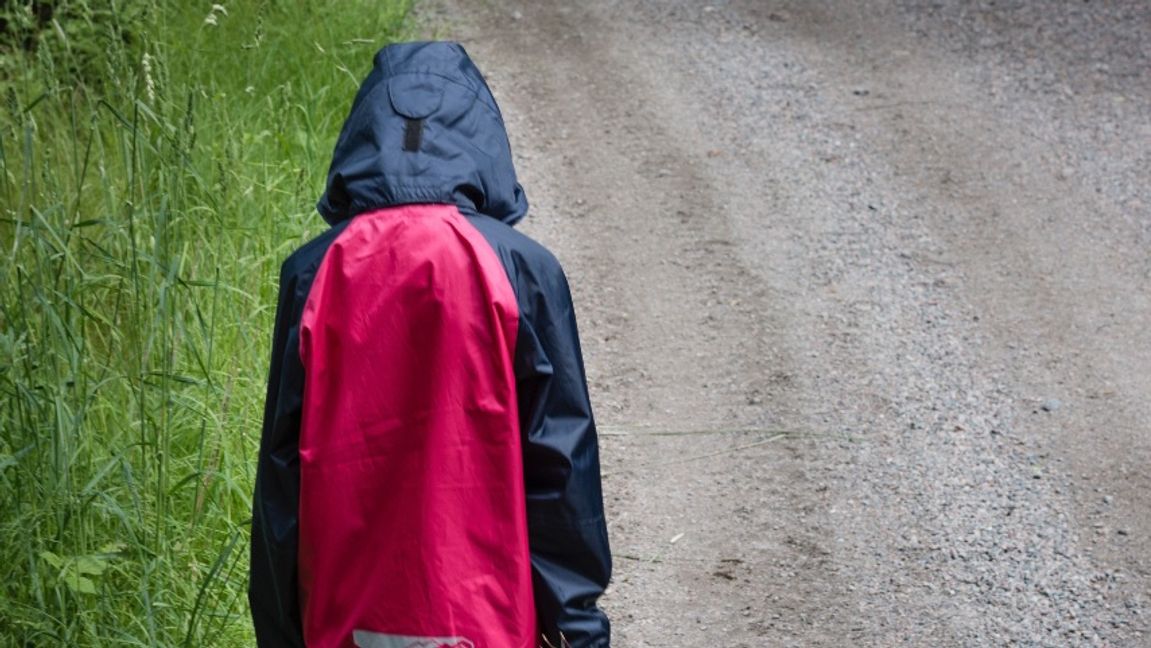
(428,472)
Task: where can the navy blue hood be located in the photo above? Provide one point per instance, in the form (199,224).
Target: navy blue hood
(424,128)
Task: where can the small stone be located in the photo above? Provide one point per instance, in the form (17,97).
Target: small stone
(1051,404)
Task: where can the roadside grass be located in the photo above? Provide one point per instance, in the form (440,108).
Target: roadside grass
(149,187)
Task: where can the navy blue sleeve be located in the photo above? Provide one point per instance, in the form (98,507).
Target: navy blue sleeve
(567,532)
(273,580)
(272,591)
(571,559)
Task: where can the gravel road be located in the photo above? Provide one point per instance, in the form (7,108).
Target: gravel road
(865,295)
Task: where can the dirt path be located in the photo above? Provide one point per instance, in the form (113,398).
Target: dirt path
(866,302)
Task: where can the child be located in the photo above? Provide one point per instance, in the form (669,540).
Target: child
(428,471)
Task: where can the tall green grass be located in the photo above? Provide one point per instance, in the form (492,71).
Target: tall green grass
(149,187)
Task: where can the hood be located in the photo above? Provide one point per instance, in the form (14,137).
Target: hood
(424,128)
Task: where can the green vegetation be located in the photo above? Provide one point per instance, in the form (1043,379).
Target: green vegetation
(158,159)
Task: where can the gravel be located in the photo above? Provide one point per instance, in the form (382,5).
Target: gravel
(912,236)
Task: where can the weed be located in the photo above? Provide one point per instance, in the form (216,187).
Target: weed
(150,182)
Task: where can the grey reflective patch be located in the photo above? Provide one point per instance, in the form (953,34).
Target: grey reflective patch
(365,639)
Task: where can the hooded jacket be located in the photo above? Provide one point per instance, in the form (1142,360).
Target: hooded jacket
(428,472)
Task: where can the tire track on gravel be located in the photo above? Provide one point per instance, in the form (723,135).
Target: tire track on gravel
(679,336)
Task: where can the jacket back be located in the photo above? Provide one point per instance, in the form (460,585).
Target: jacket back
(428,472)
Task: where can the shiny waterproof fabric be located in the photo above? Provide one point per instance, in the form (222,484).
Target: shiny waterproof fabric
(463,157)
(428,471)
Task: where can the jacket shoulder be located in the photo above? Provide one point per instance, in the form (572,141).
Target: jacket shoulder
(521,255)
(307,257)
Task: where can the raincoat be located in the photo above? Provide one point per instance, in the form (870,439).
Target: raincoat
(428,472)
